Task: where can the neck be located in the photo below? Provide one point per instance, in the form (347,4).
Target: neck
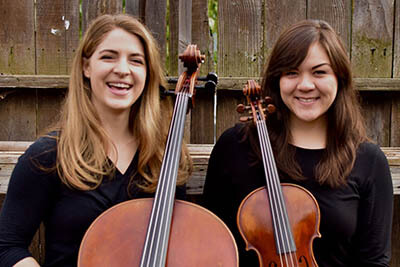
(309,134)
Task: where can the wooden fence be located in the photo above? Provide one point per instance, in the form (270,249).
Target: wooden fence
(38,39)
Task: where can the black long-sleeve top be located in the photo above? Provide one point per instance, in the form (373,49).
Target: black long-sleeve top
(35,195)
(356,218)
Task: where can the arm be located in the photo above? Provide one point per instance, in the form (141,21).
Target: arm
(375,214)
(26,202)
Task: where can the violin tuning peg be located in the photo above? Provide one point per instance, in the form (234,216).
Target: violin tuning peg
(242,108)
(268,100)
(245,119)
(271,108)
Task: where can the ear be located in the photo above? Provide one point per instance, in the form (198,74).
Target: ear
(86,67)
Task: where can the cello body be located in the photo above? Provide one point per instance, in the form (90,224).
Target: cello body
(119,241)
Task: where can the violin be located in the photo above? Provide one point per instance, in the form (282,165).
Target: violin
(278,221)
(162,231)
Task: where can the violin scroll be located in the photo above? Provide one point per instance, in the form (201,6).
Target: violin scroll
(256,108)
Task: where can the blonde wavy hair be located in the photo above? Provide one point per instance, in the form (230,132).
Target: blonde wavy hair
(81,144)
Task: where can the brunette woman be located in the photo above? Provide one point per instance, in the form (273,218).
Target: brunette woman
(319,141)
(107,148)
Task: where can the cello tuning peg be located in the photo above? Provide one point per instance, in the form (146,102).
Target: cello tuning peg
(211,76)
(271,108)
(242,108)
(245,119)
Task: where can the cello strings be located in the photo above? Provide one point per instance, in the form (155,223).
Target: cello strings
(166,188)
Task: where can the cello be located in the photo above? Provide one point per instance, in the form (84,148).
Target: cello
(278,221)
(162,231)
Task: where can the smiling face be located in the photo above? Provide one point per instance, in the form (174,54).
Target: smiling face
(310,89)
(117,72)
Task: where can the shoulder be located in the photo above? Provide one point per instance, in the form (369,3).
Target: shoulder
(372,167)
(232,135)
(43,150)
(369,152)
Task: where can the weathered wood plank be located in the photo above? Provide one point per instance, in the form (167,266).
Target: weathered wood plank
(377,113)
(135,8)
(396,41)
(226,110)
(372,37)
(155,20)
(203,112)
(18,116)
(57,35)
(22,82)
(17,37)
(240,38)
(93,8)
(336,12)
(395,121)
(280,14)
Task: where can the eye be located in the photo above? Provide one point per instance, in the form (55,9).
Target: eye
(290,73)
(138,61)
(320,72)
(106,57)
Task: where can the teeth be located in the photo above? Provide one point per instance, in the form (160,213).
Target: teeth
(307,100)
(119,85)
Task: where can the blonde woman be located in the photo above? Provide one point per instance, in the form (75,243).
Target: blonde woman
(107,148)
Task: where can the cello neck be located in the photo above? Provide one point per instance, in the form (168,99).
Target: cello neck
(158,231)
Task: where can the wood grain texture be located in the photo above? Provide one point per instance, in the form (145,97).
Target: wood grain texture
(377,112)
(336,12)
(18,116)
(57,35)
(372,38)
(396,41)
(135,8)
(226,110)
(93,8)
(17,49)
(202,120)
(155,20)
(240,40)
(278,16)
(395,121)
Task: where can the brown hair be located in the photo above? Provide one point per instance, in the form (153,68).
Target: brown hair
(81,153)
(346,128)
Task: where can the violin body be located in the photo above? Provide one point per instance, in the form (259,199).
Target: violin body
(255,224)
(116,238)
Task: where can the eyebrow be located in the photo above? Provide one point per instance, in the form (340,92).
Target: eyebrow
(319,65)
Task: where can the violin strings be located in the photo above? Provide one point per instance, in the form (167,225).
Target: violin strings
(291,246)
(278,211)
(159,226)
(277,197)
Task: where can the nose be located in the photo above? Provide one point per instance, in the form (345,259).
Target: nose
(306,83)
(121,67)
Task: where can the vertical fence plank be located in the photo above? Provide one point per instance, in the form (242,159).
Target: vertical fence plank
(396,41)
(18,116)
(172,63)
(17,49)
(54,21)
(336,12)
(278,16)
(155,19)
(135,8)
(376,111)
(372,38)
(202,121)
(395,124)
(240,51)
(240,38)
(93,8)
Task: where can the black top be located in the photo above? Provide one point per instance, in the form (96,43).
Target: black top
(356,218)
(35,195)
